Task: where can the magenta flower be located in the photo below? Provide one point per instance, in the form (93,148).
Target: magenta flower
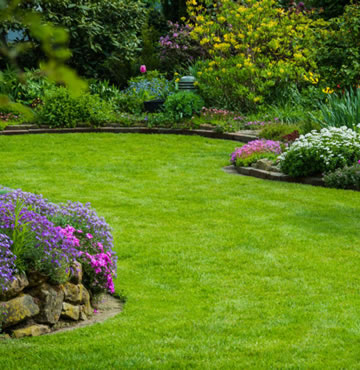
(143,68)
(89,236)
(256,146)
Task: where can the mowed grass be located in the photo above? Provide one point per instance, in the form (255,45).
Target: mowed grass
(219,271)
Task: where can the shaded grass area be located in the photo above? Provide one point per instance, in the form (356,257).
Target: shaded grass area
(219,270)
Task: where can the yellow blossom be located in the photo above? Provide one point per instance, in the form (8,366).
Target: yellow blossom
(328,90)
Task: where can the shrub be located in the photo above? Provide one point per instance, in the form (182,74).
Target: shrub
(183,105)
(178,48)
(152,85)
(319,152)
(256,48)
(344,178)
(61,109)
(341,110)
(277,131)
(254,150)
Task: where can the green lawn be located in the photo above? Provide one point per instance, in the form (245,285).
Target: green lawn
(219,271)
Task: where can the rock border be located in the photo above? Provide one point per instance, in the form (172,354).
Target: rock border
(243,136)
(31,305)
(275,176)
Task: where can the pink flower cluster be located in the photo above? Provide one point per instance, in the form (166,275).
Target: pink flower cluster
(101,263)
(256,146)
(103,267)
(68,233)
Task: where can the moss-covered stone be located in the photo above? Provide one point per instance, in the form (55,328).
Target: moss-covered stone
(73,293)
(19,309)
(70,311)
(50,299)
(31,331)
(15,287)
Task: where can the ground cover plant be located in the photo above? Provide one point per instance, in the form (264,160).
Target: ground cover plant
(218,271)
(255,150)
(48,238)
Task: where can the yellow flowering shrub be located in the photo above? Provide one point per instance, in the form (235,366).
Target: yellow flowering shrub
(255,46)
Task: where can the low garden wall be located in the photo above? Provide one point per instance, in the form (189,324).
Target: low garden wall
(34,306)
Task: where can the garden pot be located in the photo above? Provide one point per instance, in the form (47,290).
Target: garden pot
(153,106)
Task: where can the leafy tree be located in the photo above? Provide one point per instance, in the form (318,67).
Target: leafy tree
(104,36)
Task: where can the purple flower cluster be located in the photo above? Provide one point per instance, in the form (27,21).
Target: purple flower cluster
(57,235)
(46,248)
(7,263)
(178,47)
(256,146)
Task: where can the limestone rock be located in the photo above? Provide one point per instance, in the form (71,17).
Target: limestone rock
(73,293)
(50,299)
(97,299)
(263,164)
(19,309)
(76,273)
(86,308)
(36,278)
(70,311)
(275,169)
(15,287)
(83,316)
(31,331)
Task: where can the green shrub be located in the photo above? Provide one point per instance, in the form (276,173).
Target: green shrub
(159,120)
(344,178)
(341,110)
(61,109)
(183,105)
(320,152)
(276,131)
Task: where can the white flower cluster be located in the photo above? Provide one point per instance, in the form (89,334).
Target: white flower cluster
(327,143)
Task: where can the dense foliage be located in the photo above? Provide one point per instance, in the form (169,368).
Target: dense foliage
(104,36)
(342,109)
(183,105)
(61,109)
(338,51)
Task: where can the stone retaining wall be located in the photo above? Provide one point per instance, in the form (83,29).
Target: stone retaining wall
(33,306)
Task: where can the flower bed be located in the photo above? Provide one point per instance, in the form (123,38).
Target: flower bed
(329,157)
(255,150)
(53,259)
